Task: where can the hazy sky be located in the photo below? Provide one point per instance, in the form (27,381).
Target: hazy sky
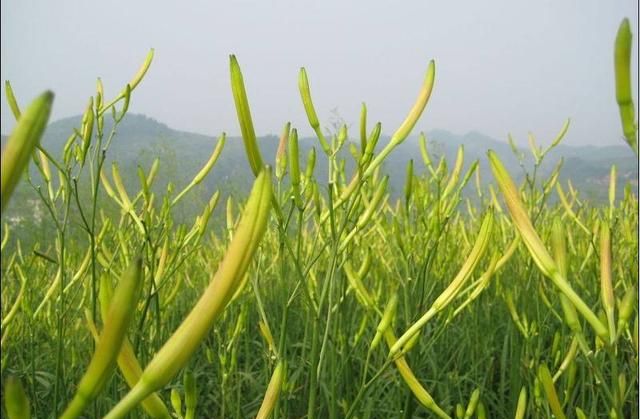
(501,66)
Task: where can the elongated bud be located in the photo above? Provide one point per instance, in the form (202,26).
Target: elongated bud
(11,99)
(99,94)
(311,163)
(176,402)
(387,318)
(421,394)
(408,183)
(535,246)
(405,128)
(137,78)
(190,395)
(558,244)
(625,310)
(44,165)
(342,136)
(580,413)
(562,133)
(305,93)
(244,117)
(205,169)
(266,334)
(606,283)
(294,165)
(622,64)
(16,402)
(481,411)
(424,152)
(374,203)
(521,409)
(455,173)
(612,191)
(87,130)
(22,142)
(535,151)
(421,102)
(473,403)
(454,287)
(212,160)
(127,361)
(126,92)
(108,347)
(552,396)
(281,154)
(179,348)
(272,393)
(363,128)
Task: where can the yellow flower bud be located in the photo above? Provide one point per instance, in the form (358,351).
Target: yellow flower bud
(22,142)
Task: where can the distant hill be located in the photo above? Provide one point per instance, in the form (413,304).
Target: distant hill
(140,139)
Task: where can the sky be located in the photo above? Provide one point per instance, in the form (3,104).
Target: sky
(502,66)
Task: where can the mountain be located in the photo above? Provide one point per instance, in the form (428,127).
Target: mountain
(138,140)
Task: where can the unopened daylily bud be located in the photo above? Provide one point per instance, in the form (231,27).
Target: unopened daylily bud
(387,318)
(272,393)
(454,287)
(294,165)
(190,395)
(11,98)
(550,391)
(606,283)
(281,153)
(87,130)
(16,402)
(534,244)
(473,403)
(407,125)
(179,348)
(244,117)
(116,323)
(624,97)
(408,183)
(522,404)
(363,128)
(625,309)
(22,142)
(305,93)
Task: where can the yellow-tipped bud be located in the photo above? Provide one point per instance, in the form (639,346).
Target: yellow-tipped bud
(550,391)
(272,393)
(294,164)
(535,246)
(244,117)
(281,154)
(363,128)
(305,93)
(190,395)
(454,288)
(405,128)
(606,283)
(521,409)
(16,402)
(177,350)
(11,98)
(624,97)
(421,102)
(387,318)
(116,323)
(22,142)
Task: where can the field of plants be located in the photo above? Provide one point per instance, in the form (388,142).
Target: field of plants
(316,299)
